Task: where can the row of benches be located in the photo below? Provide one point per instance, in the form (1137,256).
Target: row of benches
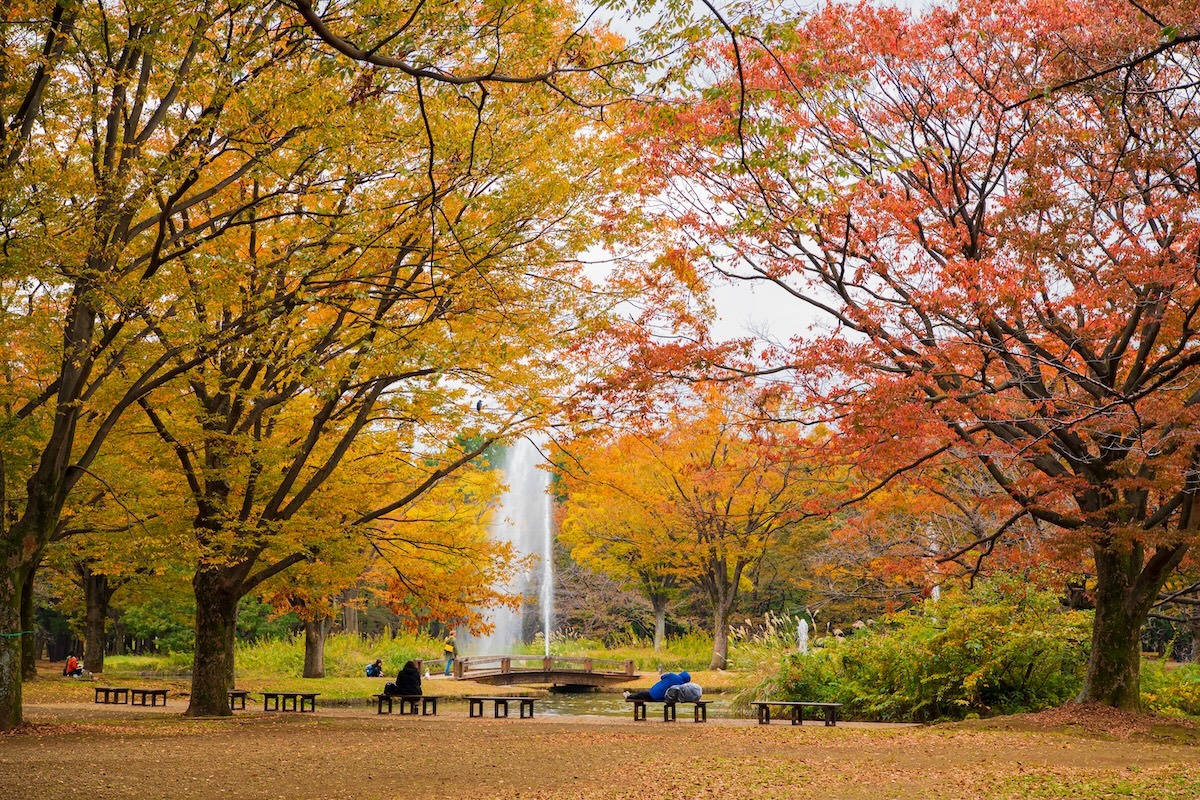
(307,701)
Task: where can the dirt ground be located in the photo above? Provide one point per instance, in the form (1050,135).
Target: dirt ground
(79,750)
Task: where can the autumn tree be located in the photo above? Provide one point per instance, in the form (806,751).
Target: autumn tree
(609,523)
(1011,284)
(123,132)
(702,497)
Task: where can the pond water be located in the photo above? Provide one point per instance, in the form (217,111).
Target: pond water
(607,704)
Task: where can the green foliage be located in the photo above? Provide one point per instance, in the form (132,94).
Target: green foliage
(345,654)
(166,623)
(1169,688)
(257,620)
(170,664)
(999,649)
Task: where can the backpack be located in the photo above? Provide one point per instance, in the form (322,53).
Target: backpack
(684,693)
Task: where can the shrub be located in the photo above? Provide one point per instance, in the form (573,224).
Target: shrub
(1171,688)
(999,649)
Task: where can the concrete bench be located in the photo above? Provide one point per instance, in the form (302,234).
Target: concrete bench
(796,710)
(500,703)
(699,709)
(138,697)
(237,696)
(271,701)
(408,703)
(112,694)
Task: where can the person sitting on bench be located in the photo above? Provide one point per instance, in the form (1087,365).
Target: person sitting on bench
(658,692)
(408,682)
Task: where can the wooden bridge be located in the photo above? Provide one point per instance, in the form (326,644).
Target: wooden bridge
(558,670)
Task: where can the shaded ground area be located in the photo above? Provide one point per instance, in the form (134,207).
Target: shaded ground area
(79,750)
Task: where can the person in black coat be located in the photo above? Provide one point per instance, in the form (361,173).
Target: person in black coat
(408,681)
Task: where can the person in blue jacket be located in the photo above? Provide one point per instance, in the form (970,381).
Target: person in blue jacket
(658,692)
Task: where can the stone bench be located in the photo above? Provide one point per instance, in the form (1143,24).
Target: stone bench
(112,694)
(500,703)
(408,703)
(138,697)
(271,701)
(796,710)
(699,709)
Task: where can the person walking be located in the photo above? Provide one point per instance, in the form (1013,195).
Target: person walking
(450,650)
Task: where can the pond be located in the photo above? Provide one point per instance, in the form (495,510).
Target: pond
(608,704)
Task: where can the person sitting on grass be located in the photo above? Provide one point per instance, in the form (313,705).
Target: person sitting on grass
(73,669)
(408,682)
(375,670)
(658,692)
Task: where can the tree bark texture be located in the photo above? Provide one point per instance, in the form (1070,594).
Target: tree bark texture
(12,582)
(212,663)
(315,632)
(658,603)
(97,593)
(30,641)
(1125,591)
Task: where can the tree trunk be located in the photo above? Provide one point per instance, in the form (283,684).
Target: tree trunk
(658,602)
(30,641)
(12,582)
(720,659)
(96,594)
(315,632)
(1114,668)
(1193,628)
(212,664)
(350,619)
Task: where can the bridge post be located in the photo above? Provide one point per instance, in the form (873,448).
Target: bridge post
(547,664)
(587,665)
(505,665)
(629,667)
(458,668)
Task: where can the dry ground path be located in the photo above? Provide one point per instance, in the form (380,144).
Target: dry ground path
(75,750)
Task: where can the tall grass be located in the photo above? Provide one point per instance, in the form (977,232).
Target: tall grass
(346,655)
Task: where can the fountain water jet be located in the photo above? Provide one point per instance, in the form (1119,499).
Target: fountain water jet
(525,519)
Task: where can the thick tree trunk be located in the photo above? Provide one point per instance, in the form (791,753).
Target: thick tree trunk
(212,664)
(1193,627)
(11,584)
(658,603)
(315,632)
(1114,668)
(96,593)
(30,641)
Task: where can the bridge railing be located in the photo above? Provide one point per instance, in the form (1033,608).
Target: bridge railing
(527,663)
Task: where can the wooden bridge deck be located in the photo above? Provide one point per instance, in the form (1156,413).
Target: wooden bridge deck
(505,670)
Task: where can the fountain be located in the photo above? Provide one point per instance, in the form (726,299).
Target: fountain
(525,520)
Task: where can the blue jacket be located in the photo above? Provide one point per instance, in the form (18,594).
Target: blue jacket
(668,679)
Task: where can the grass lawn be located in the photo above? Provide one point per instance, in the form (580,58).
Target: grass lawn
(74,749)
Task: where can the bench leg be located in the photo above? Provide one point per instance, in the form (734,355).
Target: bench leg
(700,713)
(524,705)
(797,715)
(830,717)
(496,709)
(639,711)
(472,705)
(428,703)
(668,709)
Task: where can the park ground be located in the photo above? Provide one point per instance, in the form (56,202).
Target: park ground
(71,748)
